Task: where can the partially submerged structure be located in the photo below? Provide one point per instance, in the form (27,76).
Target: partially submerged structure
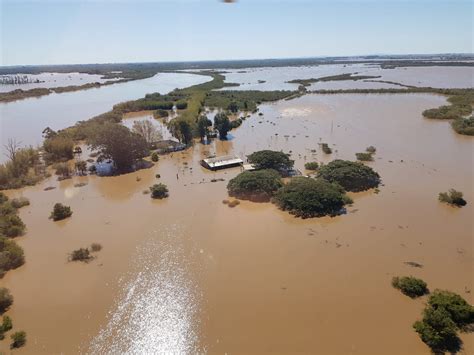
(223,162)
(168,146)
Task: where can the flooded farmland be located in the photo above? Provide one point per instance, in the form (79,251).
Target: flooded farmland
(189,274)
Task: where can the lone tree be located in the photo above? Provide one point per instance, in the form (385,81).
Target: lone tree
(257,185)
(269,159)
(307,197)
(352,176)
(203,125)
(147,130)
(222,124)
(60,212)
(159,191)
(117,142)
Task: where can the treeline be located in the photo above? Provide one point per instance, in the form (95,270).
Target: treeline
(235,101)
(340,77)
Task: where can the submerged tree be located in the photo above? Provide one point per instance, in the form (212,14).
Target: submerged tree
(147,130)
(222,124)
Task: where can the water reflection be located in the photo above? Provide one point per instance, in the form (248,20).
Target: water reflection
(156,312)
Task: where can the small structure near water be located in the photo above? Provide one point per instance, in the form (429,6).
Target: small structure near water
(168,146)
(223,162)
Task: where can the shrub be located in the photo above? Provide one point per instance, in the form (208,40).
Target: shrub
(6,324)
(257,185)
(364,156)
(18,339)
(81,254)
(464,125)
(62,169)
(311,165)
(3,198)
(452,197)
(81,167)
(161,113)
(410,286)
(307,197)
(326,149)
(58,148)
(371,149)
(269,159)
(11,255)
(6,299)
(11,225)
(159,191)
(20,202)
(95,247)
(155,157)
(60,212)
(352,176)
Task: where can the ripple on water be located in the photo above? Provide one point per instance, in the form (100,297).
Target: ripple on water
(156,311)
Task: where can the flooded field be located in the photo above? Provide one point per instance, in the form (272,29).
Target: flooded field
(276,78)
(26,119)
(189,274)
(52,80)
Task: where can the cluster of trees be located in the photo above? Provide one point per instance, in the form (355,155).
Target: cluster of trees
(339,77)
(11,225)
(22,168)
(18,338)
(236,100)
(445,314)
(257,185)
(352,176)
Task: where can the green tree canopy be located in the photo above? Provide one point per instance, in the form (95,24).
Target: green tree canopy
(352,176)
(257,185)
(270,159)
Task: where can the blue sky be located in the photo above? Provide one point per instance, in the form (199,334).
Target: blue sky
(95,31)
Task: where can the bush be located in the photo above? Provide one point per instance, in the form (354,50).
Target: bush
(161,113)
(364,156)
(159,191)
(326,149)
(6,299)
(6,324)
(461,312)
(20,202)
(62,169)
(410,286)
(307,197)
(269,159)
(60,212)
(181,105)
(352,176)
(452,197)
(3,198)
(10,224)
(95,247)
(371,149)
(464,125)
(155,157)
(11,255)
(58,148)
(257,185)
(311,166)
(18,339)
(81,254)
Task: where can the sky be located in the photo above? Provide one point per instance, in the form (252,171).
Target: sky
(107,31)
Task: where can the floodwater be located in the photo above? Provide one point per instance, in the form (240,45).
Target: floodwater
(26,119)
(53,80)
(276,78)
(189,274)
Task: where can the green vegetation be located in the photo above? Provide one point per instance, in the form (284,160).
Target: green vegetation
(159,191)
(410,286)
(62,170)
(311,165)
(445,314)
(58,148)
(118,143)
(81,254)
(346,76)
(352,176)
(11,255)
(326,149)
(148,131)
(460,105)
(452,197)
(23,167)
(236,100)
(371,149)
(6,299)
(306,197)
(222,124)
(464,125)
(259,185)
(60,212)
(11,225)
(203,125)
(364,156)
(20,202)
(5,326)
(155,157)
(18,339)
(269,159)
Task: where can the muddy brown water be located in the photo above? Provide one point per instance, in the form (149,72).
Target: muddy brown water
(189,274)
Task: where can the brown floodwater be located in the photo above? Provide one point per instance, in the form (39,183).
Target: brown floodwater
(189,274)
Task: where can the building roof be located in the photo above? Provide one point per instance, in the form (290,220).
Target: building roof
(223,161)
